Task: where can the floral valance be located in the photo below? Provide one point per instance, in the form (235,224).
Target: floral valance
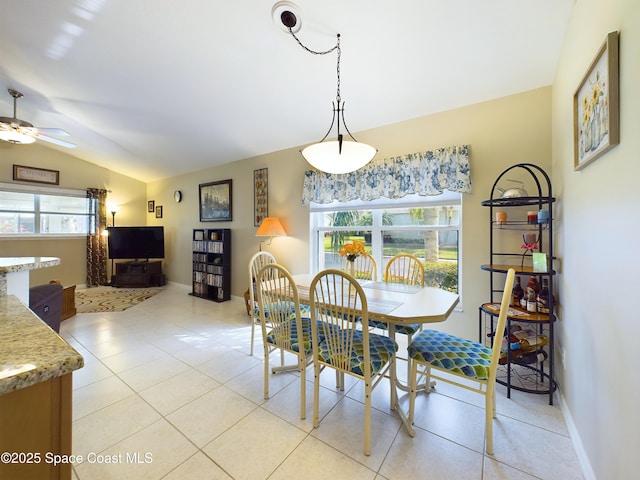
(423,173)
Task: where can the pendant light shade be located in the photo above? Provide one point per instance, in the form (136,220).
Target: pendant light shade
(339,156)
(328,157)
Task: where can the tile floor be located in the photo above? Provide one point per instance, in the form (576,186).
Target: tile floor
(169,391)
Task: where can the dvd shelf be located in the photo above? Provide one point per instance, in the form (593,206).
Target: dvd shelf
(211,258)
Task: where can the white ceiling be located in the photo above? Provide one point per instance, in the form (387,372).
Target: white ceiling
(157,88)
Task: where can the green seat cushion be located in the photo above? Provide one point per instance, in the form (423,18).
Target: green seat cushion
(448,352)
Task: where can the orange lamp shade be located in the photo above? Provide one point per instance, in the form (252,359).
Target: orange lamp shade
(270,227)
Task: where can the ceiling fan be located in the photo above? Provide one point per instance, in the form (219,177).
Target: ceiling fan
(19,132)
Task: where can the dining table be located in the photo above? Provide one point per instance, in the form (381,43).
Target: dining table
(397,304)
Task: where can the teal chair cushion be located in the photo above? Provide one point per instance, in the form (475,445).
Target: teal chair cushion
(381,350)
(295,337)
(408,329)
(448,352)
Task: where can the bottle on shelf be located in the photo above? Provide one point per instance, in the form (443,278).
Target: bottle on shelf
(542,300)
(532,294)
(537,356)
(511,339)
(533,283)
(517,293)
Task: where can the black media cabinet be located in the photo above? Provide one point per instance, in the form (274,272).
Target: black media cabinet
(138,274)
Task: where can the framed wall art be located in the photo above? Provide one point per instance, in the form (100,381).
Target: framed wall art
(151,206)
(260,196)
(596,106)
(36,175)
(159,211)
(215,201)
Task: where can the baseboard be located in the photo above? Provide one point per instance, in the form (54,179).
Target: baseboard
(576,440)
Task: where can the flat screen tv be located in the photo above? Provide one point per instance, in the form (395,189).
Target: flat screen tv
(136,243)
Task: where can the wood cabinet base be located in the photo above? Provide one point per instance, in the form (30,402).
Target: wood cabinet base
(35,424)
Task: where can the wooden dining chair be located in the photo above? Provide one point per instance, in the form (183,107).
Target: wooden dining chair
(283,327)
(256,262)
(404,268)
(464,361)
(365,267)
(337,303)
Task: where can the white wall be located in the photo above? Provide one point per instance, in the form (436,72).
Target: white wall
(598,234)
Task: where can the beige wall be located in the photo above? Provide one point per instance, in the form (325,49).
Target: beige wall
(598,231)
(597,223)
(500,133)
(127,193)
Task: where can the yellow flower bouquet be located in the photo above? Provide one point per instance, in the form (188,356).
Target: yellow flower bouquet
(352,250)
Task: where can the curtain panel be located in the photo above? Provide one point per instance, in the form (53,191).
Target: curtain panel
(96,242)
(424,173)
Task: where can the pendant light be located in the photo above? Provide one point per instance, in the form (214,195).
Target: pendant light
(340,155)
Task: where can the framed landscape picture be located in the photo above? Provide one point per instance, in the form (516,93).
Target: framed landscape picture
(596,106)
(215,201)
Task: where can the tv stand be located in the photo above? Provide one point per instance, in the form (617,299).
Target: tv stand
(138,274)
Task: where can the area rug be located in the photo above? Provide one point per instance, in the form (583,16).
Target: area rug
(109,299)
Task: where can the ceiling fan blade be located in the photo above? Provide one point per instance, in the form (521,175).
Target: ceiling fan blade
(55,141)
(52,131)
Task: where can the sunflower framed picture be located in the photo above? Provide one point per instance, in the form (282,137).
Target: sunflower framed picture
(596,106)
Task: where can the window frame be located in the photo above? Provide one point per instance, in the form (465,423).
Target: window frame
(39,192)
(377,229)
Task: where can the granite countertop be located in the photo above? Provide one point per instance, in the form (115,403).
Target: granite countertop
(19,264)
(31,352)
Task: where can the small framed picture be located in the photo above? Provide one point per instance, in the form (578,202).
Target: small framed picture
(36,175)
(159,211)
(151,206)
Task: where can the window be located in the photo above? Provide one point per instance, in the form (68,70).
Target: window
(426,227)
(54,212)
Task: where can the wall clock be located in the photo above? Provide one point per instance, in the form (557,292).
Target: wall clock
(177,196)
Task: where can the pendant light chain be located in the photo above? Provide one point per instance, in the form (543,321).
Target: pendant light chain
(335,47)
(338,98)
(340,156)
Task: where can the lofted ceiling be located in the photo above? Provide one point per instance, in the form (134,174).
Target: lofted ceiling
(157,88)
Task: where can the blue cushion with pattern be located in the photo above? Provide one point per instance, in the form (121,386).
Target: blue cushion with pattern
(381,350)
(294,337)
(408,329)
(448,352)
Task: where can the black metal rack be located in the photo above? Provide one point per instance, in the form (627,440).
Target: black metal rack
(531,378)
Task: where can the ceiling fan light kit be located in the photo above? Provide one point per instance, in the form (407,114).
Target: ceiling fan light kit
(19,132)
(15,137)
(339,156)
